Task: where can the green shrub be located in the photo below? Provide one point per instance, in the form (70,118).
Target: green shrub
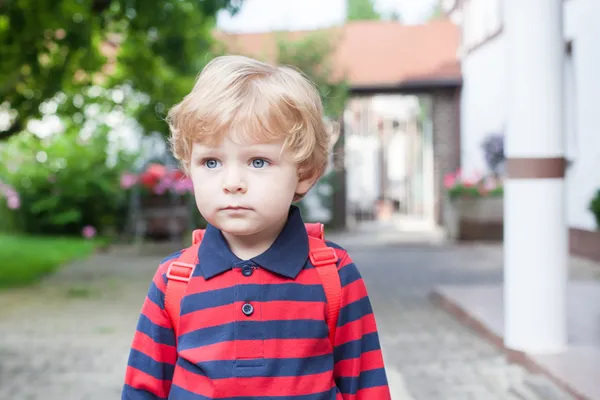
(64,182)
(595,208)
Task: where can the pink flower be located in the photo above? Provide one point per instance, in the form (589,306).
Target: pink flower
(12,197)
(160,189)
(449,180)
(128,181)
(88,232)
(13,202)
(183,186)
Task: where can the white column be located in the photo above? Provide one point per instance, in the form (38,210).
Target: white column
(535,233)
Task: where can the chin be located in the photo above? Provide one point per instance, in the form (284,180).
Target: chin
(238,227)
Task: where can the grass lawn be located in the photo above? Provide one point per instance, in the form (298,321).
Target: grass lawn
(26,259)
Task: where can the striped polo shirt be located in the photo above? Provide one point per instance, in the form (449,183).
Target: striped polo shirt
(256,330)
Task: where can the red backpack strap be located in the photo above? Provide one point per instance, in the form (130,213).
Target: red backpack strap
(325,259)
(179,274)
(316,230)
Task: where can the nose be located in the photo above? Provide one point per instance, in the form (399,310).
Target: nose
(234,181)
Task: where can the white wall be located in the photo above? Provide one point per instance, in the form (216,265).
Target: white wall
(482,101)
(583,177)
(483,106)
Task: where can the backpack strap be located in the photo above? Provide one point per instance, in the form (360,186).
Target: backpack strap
(325,259)
(179,274)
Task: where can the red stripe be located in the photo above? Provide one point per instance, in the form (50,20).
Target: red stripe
(142,381)
(157,351)
(353,367)
(272,348)
(206,318)
(344,258)
(155,314)
(353,292)
(379,393)
(253,386)
(198,285)
(355,330)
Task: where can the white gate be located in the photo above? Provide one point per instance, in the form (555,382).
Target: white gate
(388,158)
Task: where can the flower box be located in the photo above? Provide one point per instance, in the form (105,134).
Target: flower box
(473,209)
(161,201)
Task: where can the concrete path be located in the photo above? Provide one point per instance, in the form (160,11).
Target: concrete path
(69,337)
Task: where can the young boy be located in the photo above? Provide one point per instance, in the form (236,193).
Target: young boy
(252,322)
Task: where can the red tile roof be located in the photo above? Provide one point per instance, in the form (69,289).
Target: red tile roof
(375,53)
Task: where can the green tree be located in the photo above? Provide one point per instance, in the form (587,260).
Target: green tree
(312,54)
(359,10)
(53,46)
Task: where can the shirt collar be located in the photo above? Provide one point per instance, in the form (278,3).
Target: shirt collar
(286,256)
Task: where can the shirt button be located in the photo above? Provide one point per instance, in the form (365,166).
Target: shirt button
(247,270)
(247,309)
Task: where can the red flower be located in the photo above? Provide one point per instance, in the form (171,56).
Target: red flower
(153,175)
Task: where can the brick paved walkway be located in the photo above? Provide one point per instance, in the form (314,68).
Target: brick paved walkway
(68,339)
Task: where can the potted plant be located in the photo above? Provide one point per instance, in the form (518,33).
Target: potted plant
(160,198)
(474,207)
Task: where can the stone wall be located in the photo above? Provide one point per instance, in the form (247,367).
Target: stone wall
(446,141)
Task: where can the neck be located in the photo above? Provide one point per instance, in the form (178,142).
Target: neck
(248,246)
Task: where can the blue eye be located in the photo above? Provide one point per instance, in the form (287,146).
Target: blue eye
(211,163)
(259,163)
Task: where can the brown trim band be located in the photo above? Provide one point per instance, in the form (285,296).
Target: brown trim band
(536,168)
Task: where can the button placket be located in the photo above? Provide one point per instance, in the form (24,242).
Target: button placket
(248,328)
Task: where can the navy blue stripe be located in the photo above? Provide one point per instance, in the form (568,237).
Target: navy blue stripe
(355,348)
(334,245)
(274,292)
(354,311)
(255,330)
(348,274)
(178,393)
(156,296)
(367,379)
(173,256)
(157,333)
(131,393)
(147,364)
(263,367)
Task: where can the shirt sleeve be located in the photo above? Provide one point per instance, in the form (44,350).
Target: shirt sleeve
(359,371)
(153,352)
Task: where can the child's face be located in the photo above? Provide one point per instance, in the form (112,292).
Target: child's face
(244,188)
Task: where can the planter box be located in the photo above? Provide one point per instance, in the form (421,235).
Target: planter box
(163,218)
(468,219)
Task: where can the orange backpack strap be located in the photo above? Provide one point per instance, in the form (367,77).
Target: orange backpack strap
(179,274)
(325,260)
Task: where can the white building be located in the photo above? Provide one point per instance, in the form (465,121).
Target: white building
(484,99)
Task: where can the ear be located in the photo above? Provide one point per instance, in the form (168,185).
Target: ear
(305,183)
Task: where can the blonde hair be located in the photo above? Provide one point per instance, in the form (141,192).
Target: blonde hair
(259,102)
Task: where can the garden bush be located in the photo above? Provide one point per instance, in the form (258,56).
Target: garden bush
(65,183)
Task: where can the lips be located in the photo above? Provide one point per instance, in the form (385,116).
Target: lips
(236,208)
